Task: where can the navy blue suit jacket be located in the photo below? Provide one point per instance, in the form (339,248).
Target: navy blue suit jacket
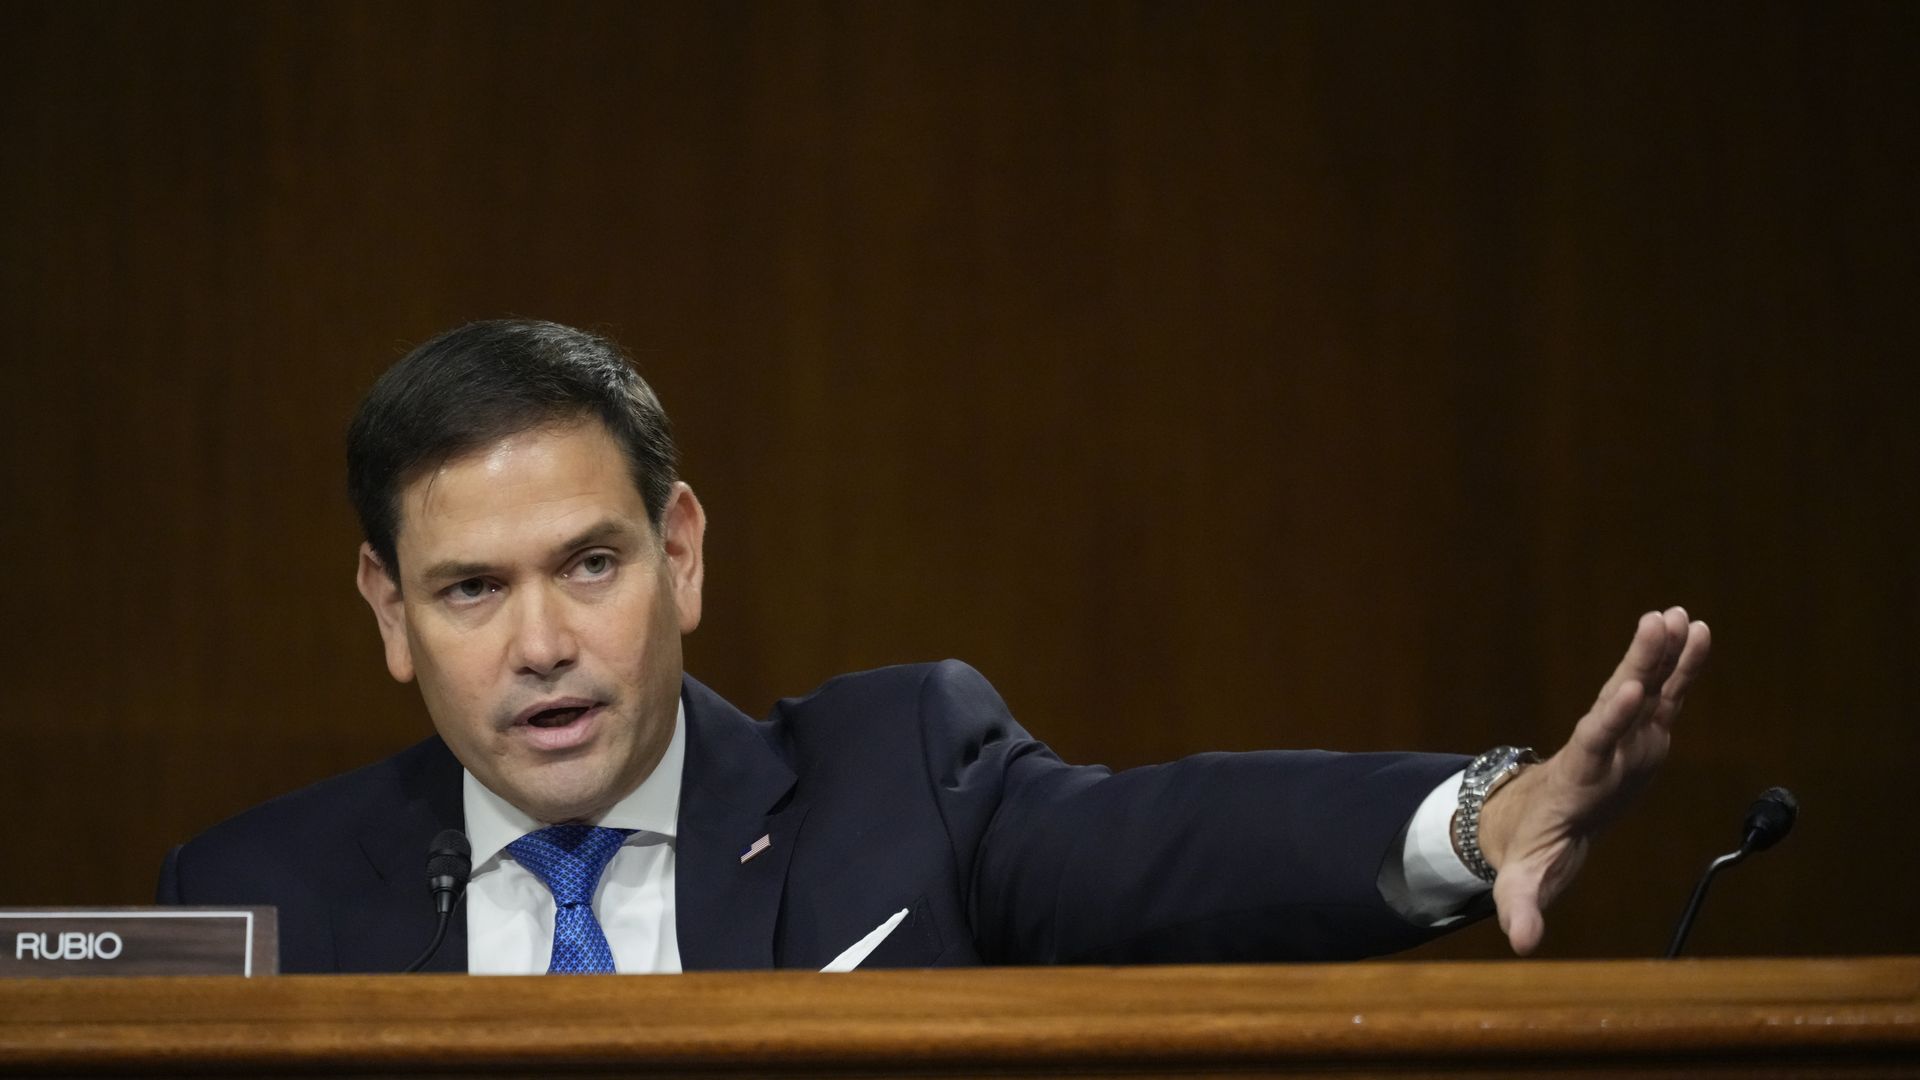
(908,787)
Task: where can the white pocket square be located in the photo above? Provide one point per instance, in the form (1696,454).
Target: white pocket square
(850,959)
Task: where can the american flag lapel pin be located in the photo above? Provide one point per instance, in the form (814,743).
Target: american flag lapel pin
(758,846)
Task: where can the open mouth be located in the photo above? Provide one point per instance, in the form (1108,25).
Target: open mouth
(566,725)
(553,718)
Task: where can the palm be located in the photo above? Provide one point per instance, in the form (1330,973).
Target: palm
(1555,810)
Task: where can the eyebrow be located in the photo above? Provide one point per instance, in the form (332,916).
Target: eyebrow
(605,532)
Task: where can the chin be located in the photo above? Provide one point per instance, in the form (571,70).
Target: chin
(555,807)
(555,811)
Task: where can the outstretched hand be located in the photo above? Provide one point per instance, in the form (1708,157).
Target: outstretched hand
(1535,829)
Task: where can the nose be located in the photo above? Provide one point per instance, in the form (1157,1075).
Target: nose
(543,640)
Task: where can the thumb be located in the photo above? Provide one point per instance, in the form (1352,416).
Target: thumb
(1518,907)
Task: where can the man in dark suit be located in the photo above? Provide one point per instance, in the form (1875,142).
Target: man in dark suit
(533,561)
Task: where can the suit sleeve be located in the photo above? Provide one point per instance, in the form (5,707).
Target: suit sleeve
(1243,857)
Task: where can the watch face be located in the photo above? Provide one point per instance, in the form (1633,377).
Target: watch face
(1507,763)
(1486,764)
(1490,765)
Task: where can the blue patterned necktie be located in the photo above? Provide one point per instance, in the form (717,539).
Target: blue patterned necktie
(568,859)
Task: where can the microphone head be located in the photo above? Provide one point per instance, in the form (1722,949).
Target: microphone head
(1770,818)
(450,856)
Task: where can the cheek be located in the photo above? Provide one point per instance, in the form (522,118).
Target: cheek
(636,638)
(452,673)
(661,661)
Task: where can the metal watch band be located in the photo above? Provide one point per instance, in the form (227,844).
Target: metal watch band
(1483,777)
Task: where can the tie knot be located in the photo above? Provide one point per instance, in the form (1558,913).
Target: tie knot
(568,859)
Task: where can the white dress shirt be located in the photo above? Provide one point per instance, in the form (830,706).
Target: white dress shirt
(510,912)
(1428,884)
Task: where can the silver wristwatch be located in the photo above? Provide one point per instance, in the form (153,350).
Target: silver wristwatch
(1483,777)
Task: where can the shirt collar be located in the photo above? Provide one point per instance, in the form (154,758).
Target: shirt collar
(653,807)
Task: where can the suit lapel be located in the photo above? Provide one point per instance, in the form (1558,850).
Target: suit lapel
(384,928)
(734,789)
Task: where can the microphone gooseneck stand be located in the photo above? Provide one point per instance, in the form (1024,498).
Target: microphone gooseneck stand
(1769,819)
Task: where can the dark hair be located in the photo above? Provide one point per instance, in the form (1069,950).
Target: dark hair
(483,382)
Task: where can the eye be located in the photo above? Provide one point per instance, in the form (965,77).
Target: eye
(592,567)
(471,590)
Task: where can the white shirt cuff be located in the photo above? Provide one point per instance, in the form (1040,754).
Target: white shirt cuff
(1428,884)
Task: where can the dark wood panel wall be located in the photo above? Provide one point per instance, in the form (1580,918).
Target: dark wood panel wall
(1210,376)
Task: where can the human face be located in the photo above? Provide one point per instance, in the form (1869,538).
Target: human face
(542,615)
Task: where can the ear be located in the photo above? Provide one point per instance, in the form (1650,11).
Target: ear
(683,533)
(382,594)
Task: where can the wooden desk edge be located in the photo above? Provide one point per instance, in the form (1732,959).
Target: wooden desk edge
(1383,1015)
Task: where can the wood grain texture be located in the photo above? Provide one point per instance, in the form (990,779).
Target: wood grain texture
(1209,376)
(1731,1017)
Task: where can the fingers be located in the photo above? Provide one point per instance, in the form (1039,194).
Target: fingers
(1599,732)
(1692,661)
(1633,688)
(1674,620)
(1663,657)
(1646,656)
(1675,625)
(1662,661)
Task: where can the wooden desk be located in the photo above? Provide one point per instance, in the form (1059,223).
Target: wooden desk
(1828,1017)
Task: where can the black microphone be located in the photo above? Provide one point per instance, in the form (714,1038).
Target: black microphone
(449,862)
(1769,820)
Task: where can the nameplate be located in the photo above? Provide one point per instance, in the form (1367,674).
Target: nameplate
(60,942)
